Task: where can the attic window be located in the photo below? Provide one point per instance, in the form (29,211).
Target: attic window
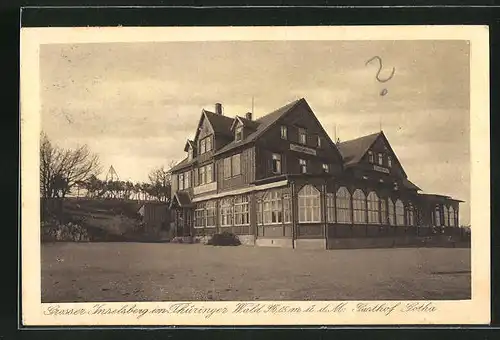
(190,153)
(326,167)
(389,161)
(238,134)
(370,157)
(380,159)
(302,136)
(284,132)
(319,141)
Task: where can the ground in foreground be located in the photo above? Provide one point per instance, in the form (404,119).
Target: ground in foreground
(105,272)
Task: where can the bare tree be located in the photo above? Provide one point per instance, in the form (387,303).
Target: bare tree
(62,169)
(159,187)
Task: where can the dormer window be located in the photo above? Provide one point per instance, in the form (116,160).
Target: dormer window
(302,136)
(190,153)
(284,132)
(238,135)
(370,157)
(380,159)
(205,145)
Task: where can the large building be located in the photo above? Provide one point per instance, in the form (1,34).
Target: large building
(280,180)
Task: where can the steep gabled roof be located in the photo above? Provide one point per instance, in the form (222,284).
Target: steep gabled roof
(262,124)
(220,123)
(181,199)
(245,122)
(184,163)
(353,150)
(188,144)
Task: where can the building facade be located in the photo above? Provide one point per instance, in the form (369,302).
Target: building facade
(281,181)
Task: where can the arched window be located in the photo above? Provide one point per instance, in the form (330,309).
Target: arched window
(226,212)
(330,208)
(445,215)
(343,205)
(359,207)
(437,216)
(410,214)
(309,204)
(452,217)
(400,212)
(383,211)
(373,208)
(392,218)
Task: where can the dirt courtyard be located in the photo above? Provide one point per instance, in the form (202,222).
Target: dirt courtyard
(105,272)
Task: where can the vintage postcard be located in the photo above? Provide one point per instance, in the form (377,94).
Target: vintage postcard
(255,175)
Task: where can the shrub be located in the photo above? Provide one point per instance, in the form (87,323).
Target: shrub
(224,239)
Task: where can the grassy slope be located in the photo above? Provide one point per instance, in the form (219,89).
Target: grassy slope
(155,272)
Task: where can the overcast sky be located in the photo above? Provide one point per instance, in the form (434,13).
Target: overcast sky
(135,104)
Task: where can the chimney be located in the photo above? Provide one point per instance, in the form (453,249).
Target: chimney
(248,115)
(218,108)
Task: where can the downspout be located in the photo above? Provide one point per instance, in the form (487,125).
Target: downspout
(294,213)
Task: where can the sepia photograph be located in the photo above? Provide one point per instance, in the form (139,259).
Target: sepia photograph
(254,170)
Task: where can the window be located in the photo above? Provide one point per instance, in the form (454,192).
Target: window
(226,212)
(303,166)
(400,212)
(241,210)
(235,166)
(343,205)
(437,216)
(302,136)
(273,207)
(259,212)
(410,214)
(209,173)
(445,216)
(330,208)
(276,163)
(389,161)
(309,204)
(452,217)
(200,216)
(287,208)
(326,168)
(227,167)
(373,208)
(392,218)
(203,146)
(201,176)
(208,142)
(239,133)
(319,141)
(383,211)
(205,174)
(187,178)
(190,153)
(380,159)
(181,181)
(210,213)
(284,132)
(370,157)
(359,207)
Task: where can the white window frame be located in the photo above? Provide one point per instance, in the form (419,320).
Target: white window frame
(383,210)
(451,212)
(276,163)
(380,158)
(400,212)
(359,207)
(343,205)
(200,216)
(437,216)
(226,210)
(446,216)
(284,132)
(330,207)
(309,199)
(391,211)
(302,136)
(241,211)
(272,208)
(238,133)
(208,143)
(373,202)
(227,167)
(209,174)
(319,142)
(181,181)
(410,214)
(371,158)
(236,170)
(389,161)
(326,167)
(303,165)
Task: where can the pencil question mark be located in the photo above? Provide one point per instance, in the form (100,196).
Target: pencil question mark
(377,76)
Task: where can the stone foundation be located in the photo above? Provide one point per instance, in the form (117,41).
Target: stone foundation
(274,242)
(310,243)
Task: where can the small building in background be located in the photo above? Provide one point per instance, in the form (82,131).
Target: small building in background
(156,218)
